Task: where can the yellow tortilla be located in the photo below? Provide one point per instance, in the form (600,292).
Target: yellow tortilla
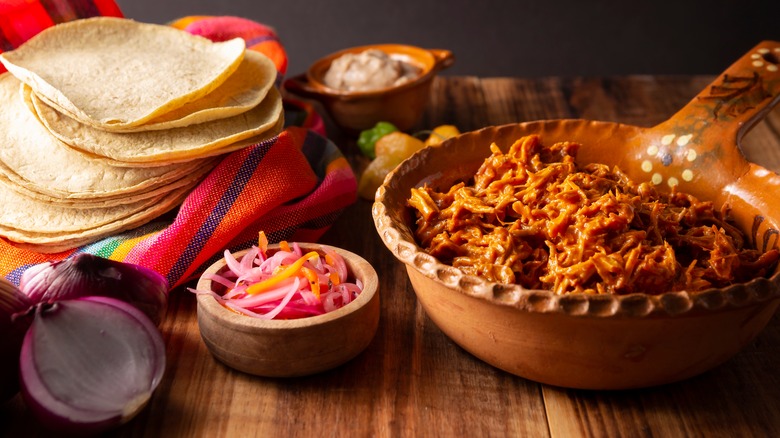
(57,241)
(242,91)
(170,145)
(25,214)
(115,73)
(31,157)
(203,156)
(22,187)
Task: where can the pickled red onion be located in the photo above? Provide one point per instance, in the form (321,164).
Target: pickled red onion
(285,285)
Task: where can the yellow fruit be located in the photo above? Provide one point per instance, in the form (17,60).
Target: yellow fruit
(398,145)
(374,175)
(441,133)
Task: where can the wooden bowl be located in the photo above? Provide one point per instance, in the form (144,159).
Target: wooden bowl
(609,341)
(402,105)
(296,347)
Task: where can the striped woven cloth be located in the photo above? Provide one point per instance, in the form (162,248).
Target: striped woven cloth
(22,19)
(291,187)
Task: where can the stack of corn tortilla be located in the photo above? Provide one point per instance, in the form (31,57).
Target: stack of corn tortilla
(108,123)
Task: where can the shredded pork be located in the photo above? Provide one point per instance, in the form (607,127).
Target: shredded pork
(534,218)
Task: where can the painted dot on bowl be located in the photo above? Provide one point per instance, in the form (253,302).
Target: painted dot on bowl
(647,166)
(673,182)
(758,64)
(755,56)
(771,67)
(666,140)
(763,50)
(691,155)
(666,160)
(683,140)
(652,150)
(657,179)
(687,175)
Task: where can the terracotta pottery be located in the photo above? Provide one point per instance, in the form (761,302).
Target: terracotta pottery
(610,342)
(402,105)
(296,347)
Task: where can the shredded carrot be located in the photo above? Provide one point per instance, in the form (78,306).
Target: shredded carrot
(287,272)
(262,242)
(333,277)
(284,246)
(314,280)
(284,284)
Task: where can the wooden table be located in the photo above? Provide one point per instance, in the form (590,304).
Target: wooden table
(412,380)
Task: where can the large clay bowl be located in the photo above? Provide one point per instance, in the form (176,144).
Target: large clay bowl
(402,105)
(610,342)
(296,347)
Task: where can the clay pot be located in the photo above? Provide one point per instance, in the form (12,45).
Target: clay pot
(610,342)
(296,347)
(402,105)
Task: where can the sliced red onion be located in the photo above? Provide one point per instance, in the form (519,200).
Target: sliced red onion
(87,275)
(90,364)
(12,329)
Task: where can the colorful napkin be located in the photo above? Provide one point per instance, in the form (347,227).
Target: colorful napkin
(20,20)
(291,187)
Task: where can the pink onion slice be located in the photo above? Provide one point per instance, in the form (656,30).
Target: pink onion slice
(316,290)
(84,274)
(90,364)
(13,325)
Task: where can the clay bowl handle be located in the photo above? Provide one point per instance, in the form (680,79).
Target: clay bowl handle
(697,149)
(442,59)
(742,95)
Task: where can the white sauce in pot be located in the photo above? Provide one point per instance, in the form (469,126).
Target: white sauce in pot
(369,70)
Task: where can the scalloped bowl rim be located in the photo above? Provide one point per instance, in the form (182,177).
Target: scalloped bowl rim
(636,305)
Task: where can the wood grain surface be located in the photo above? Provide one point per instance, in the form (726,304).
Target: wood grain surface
(412,380)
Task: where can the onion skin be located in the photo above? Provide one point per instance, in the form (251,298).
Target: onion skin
(89,275)
(13,326)
(90,364)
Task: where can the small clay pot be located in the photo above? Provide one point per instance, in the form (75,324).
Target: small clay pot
(295,347)
(402,105)
(608,341)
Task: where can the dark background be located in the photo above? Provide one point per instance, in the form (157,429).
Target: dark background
(510,38)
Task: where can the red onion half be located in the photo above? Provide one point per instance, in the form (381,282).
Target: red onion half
(88,275)
(90,364)
(12,329)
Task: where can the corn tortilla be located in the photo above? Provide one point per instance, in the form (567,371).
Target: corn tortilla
(170,145)
(116,73)
(53,242)
(242,91)
(85,202)
(25,214)
(31,157)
